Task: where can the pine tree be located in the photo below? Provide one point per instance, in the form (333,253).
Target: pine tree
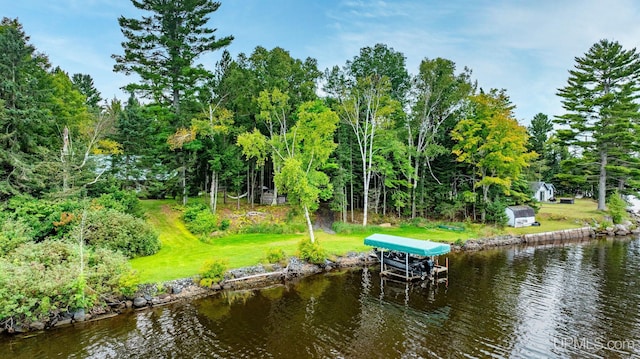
(162,48)
(602,113)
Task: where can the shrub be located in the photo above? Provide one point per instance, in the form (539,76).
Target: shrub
(122,201)
(40,215)
(212,272)
(349,228)
(37,278)
(224,225)
(204,222)
(275,255)
(199,220)
(12,234)
(121,232)
(312,252)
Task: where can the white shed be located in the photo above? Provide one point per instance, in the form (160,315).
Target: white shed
(543,191)
(520,216)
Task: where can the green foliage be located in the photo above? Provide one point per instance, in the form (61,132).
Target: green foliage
(617,208)
(199,220)
(276,255)
(274,228)
(128,284)
(602,115)
(36,278)
(43,217)
(351,228)
(122,201)
(496,213)
(212,272)
(13,233)
(224,224)
(121,232)
(312,252)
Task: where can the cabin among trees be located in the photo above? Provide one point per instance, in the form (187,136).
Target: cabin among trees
(520,216)
(543,192)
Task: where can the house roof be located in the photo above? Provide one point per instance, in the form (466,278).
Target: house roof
(535,186)
(522,211)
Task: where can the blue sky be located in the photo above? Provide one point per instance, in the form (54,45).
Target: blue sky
(525,47)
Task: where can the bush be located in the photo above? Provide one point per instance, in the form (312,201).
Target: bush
(39,278)
(312,252)
(121,232)
(199,220)
(41,215)
(212,272)
(13,233)
(224,225)
(275,255)
(122,201)
(204,222)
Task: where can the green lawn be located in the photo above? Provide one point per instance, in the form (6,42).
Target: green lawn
(557,216)
(182,254)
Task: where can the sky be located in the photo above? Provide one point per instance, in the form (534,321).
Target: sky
(524,47)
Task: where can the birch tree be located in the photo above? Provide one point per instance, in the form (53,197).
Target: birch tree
(365,105)
(302,152)
(438,96)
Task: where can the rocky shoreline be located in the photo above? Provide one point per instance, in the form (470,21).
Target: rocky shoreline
(259,276)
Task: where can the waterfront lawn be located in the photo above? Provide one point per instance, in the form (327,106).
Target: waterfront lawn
(559,216)
(182,254)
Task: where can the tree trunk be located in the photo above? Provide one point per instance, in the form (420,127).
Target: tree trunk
(184,182)
(274,201)
(602,182)
(307,217)
(213,197)
(414,189)
(64,158)
(344,205)
(351,194)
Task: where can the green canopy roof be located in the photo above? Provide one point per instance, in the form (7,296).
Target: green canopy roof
(408,245)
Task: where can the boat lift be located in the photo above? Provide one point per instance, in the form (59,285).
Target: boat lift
(412,259)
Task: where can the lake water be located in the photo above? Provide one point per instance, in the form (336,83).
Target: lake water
(577,300)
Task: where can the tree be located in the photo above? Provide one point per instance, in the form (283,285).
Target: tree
(84,84)
(493,142)
(539,133)
(162,48)
(365,105)
(438,96)
(602,116)
(28,132)
(303,152)
(380,61)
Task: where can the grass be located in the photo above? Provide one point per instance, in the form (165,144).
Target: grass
(182,254)
(559,216)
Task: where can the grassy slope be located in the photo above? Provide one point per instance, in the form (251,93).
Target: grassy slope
(182,254)
(556,216)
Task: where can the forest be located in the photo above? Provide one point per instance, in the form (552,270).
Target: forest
(368,137)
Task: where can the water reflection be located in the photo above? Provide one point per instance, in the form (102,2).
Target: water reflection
(573,300)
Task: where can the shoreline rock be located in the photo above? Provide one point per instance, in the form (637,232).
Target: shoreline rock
(261,276)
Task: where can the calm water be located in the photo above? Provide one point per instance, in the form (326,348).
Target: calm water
(574,300)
